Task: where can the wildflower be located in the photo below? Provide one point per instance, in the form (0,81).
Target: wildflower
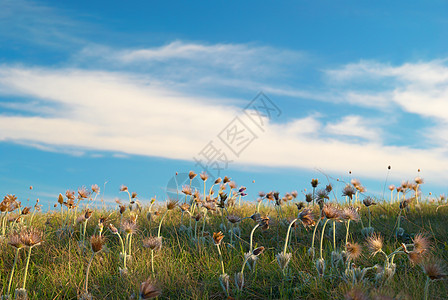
(83,193)
(171,204)
(331,211)
(264,223)
(314,183)
(233,219)
(153,243)
(375,243)
(31,237)
(391,187)
(306,217)
(133,195)
(149,290)
(419,180)
(421,243)
(15,240)
(283,259)
(329,188)
(217,237)
(226,179)
(239,280)
(354,250)
(95,188)
(97,242)
(258,251)
(435,270)
(309,197)
(368,201)
(128,226)
(348,191)
(70,194)
(186,189)
(184,207)
(204,176)
(320,266)
(123,188)
(350,213)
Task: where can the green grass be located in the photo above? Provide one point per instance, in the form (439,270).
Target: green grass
(185,269)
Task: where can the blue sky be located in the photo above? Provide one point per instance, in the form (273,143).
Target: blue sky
(131,92)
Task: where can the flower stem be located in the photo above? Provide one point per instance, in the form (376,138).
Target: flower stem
(152,260)
(87,272)
(322,238)
(287,235)
(12,271)
(220,257)
(26,266)
(161,220)
(314,233)
(427,288)
(252,236)
(334,235)
(346,235)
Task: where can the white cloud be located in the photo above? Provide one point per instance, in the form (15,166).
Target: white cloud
(118,112)
(354,126)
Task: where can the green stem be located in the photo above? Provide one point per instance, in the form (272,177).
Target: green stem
(252,236)
(314,233)
(220,257)
(370,217)
(160,224)
(427,288)
(334,235)
(322,237)
(12,271)
(287,235)
(26,267)
(130,244)
(152,260)
(87,272)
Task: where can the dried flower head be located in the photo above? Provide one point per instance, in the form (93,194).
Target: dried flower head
(128,226)
(113,229)
(348,191)
(97,242)
(226,179)
(434,269)
(233,219)
(309,197)
(283,259)
(133,195)
(368,201)
(70,194)
(149,290)
(421,242)
(15,240)
(354,250)
(391,187)
(306,217)
(331,211)
(217,237)
(153,243)
(204,176)
(375,243)
(314,183)
(95,188)
(191,175)
(83,193)
(31,236)
(60,199)
(329,188)
(264,223)
(258,251)
(123,188)
(184,207)
(351,213)
(171,204)
(186,189)
(419,180)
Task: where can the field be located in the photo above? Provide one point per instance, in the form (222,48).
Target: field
(394,250)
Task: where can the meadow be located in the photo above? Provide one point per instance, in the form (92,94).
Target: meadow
(214,244)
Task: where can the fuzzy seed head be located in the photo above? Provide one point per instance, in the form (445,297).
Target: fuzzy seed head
(149,290)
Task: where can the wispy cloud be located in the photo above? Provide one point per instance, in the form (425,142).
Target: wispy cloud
(121,113)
